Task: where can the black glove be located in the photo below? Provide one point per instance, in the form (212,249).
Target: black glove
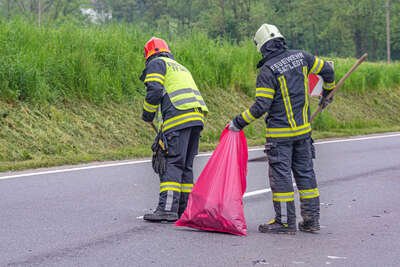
(324,101)
(160,153)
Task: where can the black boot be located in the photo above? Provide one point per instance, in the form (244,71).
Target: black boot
(180,212)
(183,203)
(310,226)
(161,216)
(275,227)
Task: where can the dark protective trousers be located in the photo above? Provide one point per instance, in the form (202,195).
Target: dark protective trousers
(284,158)
(177,182)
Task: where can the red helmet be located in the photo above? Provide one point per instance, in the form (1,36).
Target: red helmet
(154,46)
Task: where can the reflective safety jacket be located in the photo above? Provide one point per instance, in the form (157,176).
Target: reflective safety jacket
(172,90)
(282,92)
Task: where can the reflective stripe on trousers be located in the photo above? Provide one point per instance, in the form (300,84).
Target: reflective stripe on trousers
(283,159)
(177,182)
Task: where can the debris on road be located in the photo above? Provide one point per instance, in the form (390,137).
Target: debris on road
(326,204)
(261,261)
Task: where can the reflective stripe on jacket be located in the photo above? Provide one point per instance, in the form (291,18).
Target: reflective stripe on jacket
(181,88)
(282,93)
(291,70)
(172,90)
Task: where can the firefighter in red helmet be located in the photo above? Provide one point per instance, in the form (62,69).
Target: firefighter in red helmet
(155,46)
(172,92)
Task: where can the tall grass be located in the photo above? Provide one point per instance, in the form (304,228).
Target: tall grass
(98,64)
(369,76)
(68,62)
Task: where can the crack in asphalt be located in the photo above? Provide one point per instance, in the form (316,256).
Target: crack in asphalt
(329,182)
(71,252)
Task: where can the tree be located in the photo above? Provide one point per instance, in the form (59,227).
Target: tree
(48,10)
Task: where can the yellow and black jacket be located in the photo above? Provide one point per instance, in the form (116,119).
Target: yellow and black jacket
(282,91)
(172,91)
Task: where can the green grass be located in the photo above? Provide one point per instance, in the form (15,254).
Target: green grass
(33,135)
(71,94)
(96,64)
(370,76)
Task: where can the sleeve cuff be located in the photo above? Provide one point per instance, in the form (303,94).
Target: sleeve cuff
(149,107)
(147,116)
(237,123)
(329,86)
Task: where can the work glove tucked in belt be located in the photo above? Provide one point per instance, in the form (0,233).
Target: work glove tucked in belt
(160,153)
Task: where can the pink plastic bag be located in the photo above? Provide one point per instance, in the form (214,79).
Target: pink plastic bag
(216,202)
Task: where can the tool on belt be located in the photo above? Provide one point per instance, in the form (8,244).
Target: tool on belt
(160,152)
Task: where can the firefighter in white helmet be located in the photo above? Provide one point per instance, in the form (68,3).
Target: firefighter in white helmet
(282,94)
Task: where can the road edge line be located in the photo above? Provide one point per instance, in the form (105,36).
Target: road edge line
(134,162)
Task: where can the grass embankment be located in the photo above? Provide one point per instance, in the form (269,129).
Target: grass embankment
(36,136)
(71,94)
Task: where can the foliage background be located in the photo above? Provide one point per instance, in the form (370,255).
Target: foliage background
(343,28)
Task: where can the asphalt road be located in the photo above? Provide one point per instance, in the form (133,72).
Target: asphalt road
(90,215)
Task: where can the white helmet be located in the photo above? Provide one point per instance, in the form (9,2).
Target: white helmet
(265,33)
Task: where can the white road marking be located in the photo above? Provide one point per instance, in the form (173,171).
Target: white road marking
(74,169)
(257,192)
(336,258)
(134,162)
(358,139)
